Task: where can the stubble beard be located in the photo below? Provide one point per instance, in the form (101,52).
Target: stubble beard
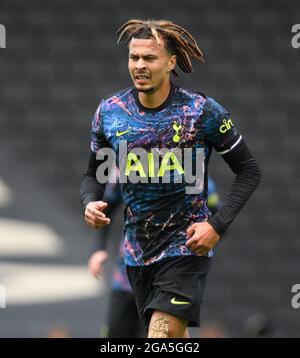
(146,90)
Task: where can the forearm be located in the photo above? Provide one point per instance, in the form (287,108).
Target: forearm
(90,188)
(248,176)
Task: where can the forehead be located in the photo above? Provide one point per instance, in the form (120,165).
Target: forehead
(147,46)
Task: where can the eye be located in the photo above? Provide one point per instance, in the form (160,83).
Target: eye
(150,58)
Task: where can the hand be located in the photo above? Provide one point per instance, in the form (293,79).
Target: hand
(96,262)
(94,215)
(201,238)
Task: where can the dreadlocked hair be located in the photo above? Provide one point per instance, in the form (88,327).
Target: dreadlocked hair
(176,39)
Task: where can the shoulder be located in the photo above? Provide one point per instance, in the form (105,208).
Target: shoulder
(213,108)
(209,108)
(217,124)
(191,95)
(115,99)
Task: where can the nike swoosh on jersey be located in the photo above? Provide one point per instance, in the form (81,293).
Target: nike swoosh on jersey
(118,134)
(174,302)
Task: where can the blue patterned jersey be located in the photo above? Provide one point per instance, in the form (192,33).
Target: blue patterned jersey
(157,215)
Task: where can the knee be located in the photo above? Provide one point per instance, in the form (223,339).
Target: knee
(159,326)
(163,325)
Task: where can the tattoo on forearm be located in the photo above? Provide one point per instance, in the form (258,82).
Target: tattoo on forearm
(159,328)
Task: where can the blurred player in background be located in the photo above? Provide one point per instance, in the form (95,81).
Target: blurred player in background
(122,320)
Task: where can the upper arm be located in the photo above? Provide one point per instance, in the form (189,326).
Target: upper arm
(97,136)
(219,129)
(222,134)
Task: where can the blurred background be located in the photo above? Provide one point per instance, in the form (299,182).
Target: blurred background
(61,59)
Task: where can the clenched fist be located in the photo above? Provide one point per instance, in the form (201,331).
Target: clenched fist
(201,238)
(94,215)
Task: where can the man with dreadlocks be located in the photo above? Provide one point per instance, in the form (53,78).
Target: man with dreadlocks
(169,234)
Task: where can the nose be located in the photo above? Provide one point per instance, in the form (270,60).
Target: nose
(140,64)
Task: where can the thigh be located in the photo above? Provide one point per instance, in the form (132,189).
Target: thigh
(164,325)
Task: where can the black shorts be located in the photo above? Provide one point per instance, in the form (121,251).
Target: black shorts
(174,285)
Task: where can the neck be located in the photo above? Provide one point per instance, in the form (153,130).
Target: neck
(157,97)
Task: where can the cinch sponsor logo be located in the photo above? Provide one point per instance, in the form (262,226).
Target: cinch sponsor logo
(2,36)
(226,125)
(295,42)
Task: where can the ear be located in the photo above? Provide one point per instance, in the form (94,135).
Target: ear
(172,63)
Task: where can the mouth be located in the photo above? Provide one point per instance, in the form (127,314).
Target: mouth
(141,78)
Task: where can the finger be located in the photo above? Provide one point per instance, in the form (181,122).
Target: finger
(98,214)
(101,205)
(99,219)
(102,223)
(192,241)
(95,218)
(98,276)
(99,273)
(93,221)
(201,251)
(191,229)
(89,216)
(95,273)
(96,224)
(189,234)
(103,220)
(193,247)
(95,212)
